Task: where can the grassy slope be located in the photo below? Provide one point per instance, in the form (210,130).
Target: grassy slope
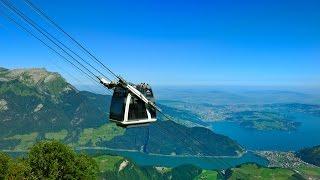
(309,172)
(109,167)
(59,136)
(108,162)
(207,174)
(91,136)
(26,140)
(253,171)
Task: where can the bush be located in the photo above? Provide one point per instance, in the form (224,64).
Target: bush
(4,165)
(19,169)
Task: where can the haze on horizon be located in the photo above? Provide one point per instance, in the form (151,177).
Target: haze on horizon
(183,43)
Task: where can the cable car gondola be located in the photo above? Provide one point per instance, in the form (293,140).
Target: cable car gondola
(131,105)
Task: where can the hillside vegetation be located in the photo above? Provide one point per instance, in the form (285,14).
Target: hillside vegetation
(254,171)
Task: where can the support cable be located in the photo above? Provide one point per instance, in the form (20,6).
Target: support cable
(9,6)
(197,141)
(44,43)
(46,17)
(54,40)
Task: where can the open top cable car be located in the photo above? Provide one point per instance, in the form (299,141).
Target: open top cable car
(131,105)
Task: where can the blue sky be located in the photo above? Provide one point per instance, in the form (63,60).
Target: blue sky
(256,43)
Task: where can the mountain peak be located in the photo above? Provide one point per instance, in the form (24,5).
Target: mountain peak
(45,81)
(33,75)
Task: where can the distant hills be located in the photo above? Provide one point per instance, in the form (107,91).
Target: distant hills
(233,96)
(115,167)
(262,117)
(310,155)
(36,104)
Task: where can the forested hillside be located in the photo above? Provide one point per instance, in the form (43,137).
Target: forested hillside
(310,155)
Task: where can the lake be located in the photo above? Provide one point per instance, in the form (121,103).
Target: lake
(143,159)
(306,135)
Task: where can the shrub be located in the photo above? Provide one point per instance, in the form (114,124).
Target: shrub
(19,169)
(4,165)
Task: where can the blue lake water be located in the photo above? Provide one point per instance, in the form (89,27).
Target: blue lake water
(143,159)
(307,134)
(173,161)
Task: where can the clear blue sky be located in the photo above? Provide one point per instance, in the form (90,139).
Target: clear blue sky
(262,42)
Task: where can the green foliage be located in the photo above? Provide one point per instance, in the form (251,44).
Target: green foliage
(56,85)
(253,172)
(103,133)
(185,172)
(19,169)
(49,160)
(26,140)
(310,172)
(207,174)
(59,136)
(4,164)
(108,162)
(67,110)
(3,73)
(53,160)
(86,167)
(14,168)
(118,168)
(130,171)
(168,137)
(17,88)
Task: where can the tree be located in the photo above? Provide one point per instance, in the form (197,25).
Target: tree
(86,167)
(4,165)
(19,169)
(49,160)
(54,160)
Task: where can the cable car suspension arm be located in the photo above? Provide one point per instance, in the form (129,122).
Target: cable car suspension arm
(131,89)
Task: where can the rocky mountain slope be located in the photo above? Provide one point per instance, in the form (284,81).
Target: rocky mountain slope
(37,100)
